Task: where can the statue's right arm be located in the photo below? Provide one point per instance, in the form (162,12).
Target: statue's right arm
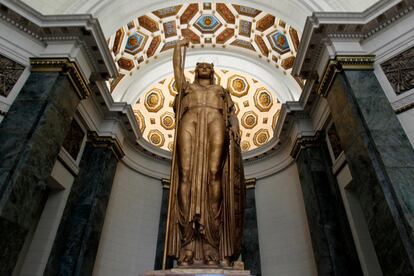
(177,60)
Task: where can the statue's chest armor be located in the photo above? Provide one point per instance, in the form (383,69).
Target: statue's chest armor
(210,95)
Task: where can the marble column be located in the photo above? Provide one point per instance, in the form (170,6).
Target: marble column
(77,239)
(380,158)
(162,228)
(31,136)
(251,248)
(332,241)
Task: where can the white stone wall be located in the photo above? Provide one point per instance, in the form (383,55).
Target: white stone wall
(129,236)
(285,244)
(407,121)
(359,228)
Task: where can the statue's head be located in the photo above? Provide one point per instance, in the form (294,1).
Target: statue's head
(204,70)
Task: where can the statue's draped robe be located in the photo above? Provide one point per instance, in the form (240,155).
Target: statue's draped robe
(223,229)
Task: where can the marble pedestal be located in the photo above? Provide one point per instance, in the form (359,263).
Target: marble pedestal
(198,272)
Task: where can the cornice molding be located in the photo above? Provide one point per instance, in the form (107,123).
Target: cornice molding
(340,63)
(250,183)
(323,28)
(403,104)
(165,183)
(65,67)
(106,142)
(306,142)
(83,29)
(405,108)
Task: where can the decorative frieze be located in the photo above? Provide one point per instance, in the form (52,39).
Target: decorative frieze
(10,72)
(399,71)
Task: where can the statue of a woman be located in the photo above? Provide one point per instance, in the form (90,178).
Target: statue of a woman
(207,182)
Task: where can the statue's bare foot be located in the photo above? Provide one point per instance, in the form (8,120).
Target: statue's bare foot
(226,263)
(210,261)
(188,259)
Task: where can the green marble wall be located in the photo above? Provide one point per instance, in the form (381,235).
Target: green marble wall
(332,242)
(31,136)
(381,161)
(77,240)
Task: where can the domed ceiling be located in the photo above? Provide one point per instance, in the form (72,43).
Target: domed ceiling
(206,25)
(257,109)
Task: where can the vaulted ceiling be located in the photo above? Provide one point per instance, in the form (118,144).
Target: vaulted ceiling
(253,45)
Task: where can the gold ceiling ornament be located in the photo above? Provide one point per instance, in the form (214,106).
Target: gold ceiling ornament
(170,146)
(255,110)
(245,145)
(238,86)
(156,137)
(261,137)
(263,99)
(140,120)
(172,87)
(249,119)
(217,78)
(275,118)
(154,100)
(237,108)
(167,120)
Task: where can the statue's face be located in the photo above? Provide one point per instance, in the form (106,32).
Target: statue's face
(204,70)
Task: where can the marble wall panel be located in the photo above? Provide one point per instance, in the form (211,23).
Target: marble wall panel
(332,241)
(380,158)
(77,240)
(31,136)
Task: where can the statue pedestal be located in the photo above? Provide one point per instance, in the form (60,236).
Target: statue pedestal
(198,272)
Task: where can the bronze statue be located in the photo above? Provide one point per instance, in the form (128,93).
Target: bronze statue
(207,192)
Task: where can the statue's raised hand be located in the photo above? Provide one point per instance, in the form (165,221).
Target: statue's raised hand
(184,42)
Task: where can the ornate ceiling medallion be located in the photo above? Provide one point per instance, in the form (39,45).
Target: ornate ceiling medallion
(156,137)
(140,120)
(154,100)
(238,86)
(261,137)
(249,120)
(167,120)
(207,24)
(263,99)
(135,43)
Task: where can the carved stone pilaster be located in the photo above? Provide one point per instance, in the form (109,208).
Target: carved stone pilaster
(332,241)
(106,142)
(251,247)
(306,142)
(162,227)
(77,240)
(65,67)
(341,63)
